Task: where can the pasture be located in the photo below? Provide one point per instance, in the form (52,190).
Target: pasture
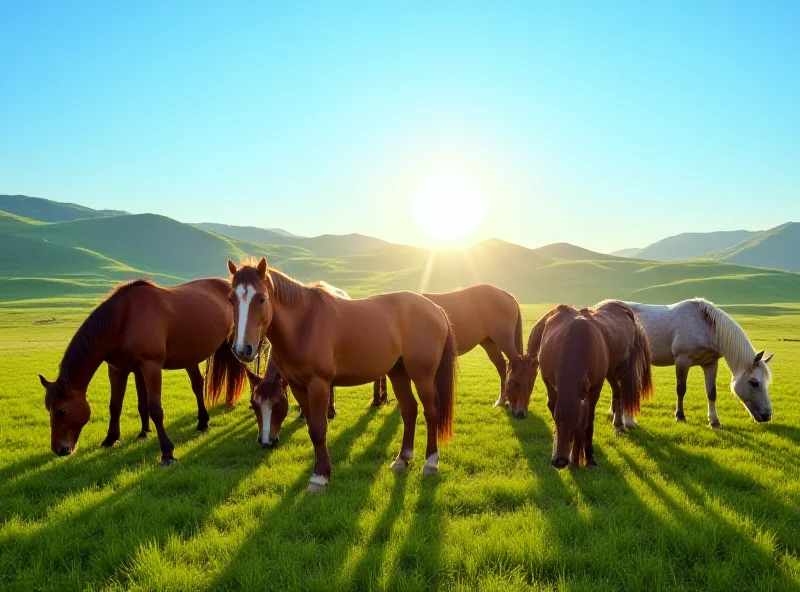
(672,506)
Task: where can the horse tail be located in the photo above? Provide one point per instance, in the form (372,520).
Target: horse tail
(224,370)
(637,381)
(445,384)
(518,330)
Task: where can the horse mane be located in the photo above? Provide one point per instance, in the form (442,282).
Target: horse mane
(287,290)
(98,326)
(731,339)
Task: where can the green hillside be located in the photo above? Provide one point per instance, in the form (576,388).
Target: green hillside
(688,245)
(776,248)
(83,257)
(46,210)
(252,234)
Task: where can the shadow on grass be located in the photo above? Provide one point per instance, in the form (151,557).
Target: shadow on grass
(303,540)
(85,517)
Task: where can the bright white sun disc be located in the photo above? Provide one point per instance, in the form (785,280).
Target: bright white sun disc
(449,206)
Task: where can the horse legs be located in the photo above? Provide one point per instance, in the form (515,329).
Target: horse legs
(551,398)
(710,371)
(616,404)
(144,413)
(594,396)
(197,387)
(682,365)
(427,396)
(332,404)
(119,381)
(408,410)
(319,392)
(151,372)
(380,395)
(496,356)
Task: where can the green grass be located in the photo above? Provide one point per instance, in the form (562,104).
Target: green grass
(672,507)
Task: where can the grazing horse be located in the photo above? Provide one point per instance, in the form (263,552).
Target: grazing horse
(320,340)
(142,328)
(576,351)
(697,333)
(481,315)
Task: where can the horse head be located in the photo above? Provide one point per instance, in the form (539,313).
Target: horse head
(519,384)
(751,387)
(251,291)
(270,404)
(69,412)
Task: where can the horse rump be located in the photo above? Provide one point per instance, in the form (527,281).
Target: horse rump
(224,370)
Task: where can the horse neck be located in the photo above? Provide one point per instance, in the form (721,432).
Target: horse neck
(287,327)
(81,371)
(731,340)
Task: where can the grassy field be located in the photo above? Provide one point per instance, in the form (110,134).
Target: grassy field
(672,507)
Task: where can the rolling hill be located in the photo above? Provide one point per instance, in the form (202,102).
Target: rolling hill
(85,257)
(326,245)
(688,245)
(46,210)
(776,248)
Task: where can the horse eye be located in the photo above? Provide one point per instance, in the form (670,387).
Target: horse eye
(61,413)
(754,383)
(263,299)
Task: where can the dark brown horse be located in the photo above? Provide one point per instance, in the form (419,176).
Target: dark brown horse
(481,315)
(576,351)
(142,328)
(320,340)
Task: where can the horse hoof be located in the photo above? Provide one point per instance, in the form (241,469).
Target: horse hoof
(591,463)
(680,419)
(430,471)
(203,429)
(142,435)
(715,425)
(331,414)
(632,425)
(620,430)
(399,465)
(108,442)
(168,461)
(316,488)
(375,403)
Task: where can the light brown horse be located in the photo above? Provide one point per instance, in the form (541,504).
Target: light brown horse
(481,315)
(576,351)
(320,340)
(142,328)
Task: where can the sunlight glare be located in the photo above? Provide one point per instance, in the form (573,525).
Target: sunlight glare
(449,206)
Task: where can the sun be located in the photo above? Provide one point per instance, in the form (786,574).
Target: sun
(449,206)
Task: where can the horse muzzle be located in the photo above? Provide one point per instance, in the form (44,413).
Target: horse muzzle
(560,462)
(270,443)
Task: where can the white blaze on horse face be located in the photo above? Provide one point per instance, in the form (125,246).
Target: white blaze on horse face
(244,295)
(266,418)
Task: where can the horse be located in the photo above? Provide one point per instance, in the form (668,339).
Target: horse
(265,394)
(576,351)
(142,328)
(481,315)
(697,333)
(320,340)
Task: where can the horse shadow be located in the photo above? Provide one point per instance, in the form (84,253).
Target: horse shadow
(321,530)
(71,532)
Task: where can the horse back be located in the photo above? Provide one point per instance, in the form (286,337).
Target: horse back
(572,345)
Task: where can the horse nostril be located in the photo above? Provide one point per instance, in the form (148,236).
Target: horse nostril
(766,416)
(248,350)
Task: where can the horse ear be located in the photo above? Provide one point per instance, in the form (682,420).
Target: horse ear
(46,383)
(231,267)
(759,355)
(262,267)
(768,358)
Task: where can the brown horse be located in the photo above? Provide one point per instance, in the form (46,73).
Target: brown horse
(576,351)
(143,328)
(481,315)
(320,340)
(270,403)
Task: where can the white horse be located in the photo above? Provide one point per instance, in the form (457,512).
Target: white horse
(697,333)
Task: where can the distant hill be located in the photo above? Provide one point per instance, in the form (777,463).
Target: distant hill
(777,248)
(630,253)
(85,257)
(46,210)
(326,245)
(247,233)
(689,245)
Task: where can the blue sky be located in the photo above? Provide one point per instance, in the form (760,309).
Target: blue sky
(603,124)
